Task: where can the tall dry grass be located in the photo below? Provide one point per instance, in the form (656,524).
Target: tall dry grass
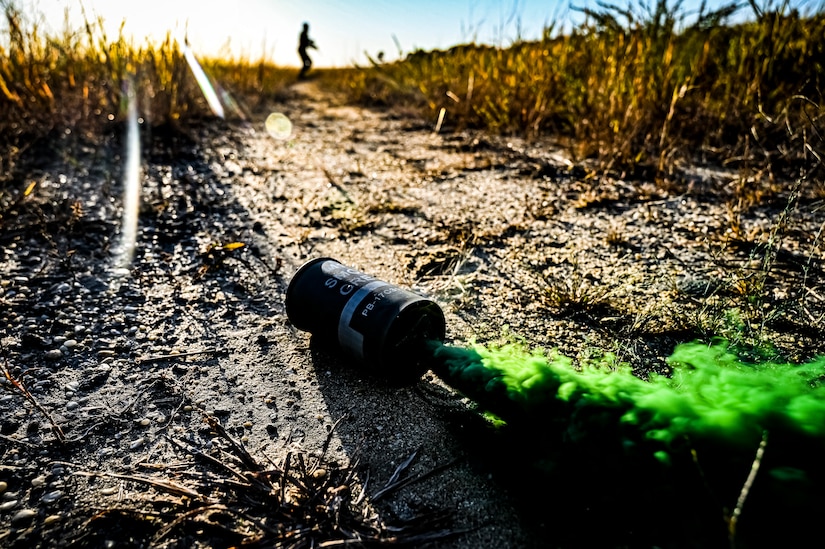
(640,87)
(73,81)
(643,86)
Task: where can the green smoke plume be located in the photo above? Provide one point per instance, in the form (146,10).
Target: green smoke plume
(652,462)
(711,394)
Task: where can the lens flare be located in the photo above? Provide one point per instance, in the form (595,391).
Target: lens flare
(125,249)
(278,126)
(203,82)
(229,101)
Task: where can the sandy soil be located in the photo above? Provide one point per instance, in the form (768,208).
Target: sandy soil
(167,407)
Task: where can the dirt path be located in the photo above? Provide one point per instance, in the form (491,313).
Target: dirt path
(502,233)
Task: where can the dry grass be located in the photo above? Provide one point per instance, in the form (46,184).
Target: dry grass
(642,86)
(75,81)
(648,86)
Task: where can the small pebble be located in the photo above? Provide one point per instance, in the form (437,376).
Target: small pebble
(52,496)
(23,515)
(136,444)
(63,288)
(8,505)
(51,519)
(144,422)
(72,405)
(42,384)
(3,486)
(109,491)
(39,481)
(70,343)
(54,354)
(79,329)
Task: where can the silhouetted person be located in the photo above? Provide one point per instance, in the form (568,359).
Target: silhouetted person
(304,43)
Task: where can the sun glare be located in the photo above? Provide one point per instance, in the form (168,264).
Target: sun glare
(203,82)
(124,251)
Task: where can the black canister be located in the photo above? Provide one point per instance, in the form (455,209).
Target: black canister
(386,328)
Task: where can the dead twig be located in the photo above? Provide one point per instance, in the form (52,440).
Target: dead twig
(200,511)
(814,294)
(137,397)
(163,485)
(18,385)
(240,451)
(15,440)
(174,414)
(328,441)
(395,484)
(331,180)
(746,488)
(168,356)
(209,459)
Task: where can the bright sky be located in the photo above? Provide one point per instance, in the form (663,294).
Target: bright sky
(342,29)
